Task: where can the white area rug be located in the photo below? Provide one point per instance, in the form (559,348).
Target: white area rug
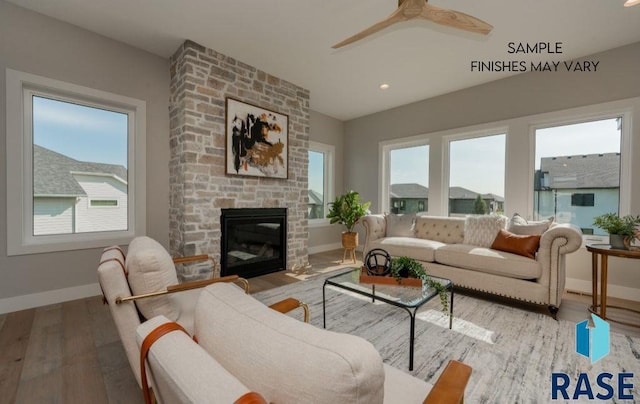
(513,352)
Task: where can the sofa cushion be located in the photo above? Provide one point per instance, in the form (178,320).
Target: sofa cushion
(527,246)
(448,230)
(520,225)
(400,225)
(482,230)
(282,358)
(488,260)
(422,250)
(151,269)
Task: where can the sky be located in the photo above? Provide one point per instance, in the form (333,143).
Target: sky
(410,165)
(584,138)
(316,172)
(478,164)
(80,132)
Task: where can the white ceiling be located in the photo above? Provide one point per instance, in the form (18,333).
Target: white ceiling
(292,39)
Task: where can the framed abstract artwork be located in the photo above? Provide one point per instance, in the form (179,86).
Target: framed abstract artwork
(257,141)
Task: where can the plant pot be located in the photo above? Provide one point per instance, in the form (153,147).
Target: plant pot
(349,239)
(618,242)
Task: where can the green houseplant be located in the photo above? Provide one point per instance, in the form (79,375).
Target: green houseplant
(405,267)
(347,209)
(622,230)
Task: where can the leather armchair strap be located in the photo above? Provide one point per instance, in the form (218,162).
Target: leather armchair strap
(149,340)
(251,398)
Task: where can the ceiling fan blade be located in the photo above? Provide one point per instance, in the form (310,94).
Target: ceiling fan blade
(395,17)
(455,19)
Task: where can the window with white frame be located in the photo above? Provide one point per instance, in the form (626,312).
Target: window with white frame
(406,177)
(578,171)
(72,151)
(477,175)
(320,181)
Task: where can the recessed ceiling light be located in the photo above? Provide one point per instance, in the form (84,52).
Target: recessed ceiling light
(630,3)
(384,86)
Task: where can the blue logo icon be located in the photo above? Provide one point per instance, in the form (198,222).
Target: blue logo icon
(593,343)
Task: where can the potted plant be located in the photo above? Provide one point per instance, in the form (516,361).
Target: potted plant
(347,209)
(622,230)
(406,267)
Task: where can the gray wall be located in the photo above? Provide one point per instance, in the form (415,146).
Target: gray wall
(502,100)
(328,130)
(36,44)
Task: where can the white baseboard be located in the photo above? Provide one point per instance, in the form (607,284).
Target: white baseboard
(621,292)
(325,247)
(17,303)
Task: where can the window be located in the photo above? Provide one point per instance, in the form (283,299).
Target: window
(577,171)
(582,200)
(476,175)
(408,171)
(74,156)
(320,181)
(104,203)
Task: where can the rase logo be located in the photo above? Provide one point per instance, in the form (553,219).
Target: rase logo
(592,343)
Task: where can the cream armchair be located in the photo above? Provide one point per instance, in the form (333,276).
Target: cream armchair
(142,283)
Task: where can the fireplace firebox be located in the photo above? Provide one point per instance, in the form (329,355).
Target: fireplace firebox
(254,241)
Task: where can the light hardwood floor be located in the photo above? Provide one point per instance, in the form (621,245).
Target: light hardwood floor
(71,353)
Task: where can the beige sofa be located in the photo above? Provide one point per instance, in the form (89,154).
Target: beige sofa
(441,245)
(243,346)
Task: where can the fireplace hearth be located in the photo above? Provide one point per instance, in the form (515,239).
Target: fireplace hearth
(254,241)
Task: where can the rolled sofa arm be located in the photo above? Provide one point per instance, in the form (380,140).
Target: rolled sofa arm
(569,235)
(555,243)
(375,227)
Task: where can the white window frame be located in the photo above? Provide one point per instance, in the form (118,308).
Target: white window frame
(19,90)
(329,152)
(446,157)
(384,152)
(589,114)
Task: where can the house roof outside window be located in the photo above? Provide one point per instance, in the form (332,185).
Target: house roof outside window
(53,173)
(582,171)
(409,191)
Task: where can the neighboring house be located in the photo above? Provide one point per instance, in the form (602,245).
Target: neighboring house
(409,198)
(315,208)
(577,188)
(461,201)
(71,196)
(415,198)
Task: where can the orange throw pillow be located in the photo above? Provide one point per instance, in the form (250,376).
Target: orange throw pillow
(516,244)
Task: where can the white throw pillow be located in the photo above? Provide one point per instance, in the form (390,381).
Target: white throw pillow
(482,230)
(519,225)
(151,269)
(400,225)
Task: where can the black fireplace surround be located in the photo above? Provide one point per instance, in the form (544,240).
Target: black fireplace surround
(254,241)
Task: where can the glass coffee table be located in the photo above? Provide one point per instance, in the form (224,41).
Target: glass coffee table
(406,297)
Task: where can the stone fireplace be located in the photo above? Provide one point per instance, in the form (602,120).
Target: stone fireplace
(201,79)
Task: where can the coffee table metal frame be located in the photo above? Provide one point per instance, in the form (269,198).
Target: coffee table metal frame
(369,290)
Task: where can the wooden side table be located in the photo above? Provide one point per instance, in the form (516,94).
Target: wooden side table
(605,250)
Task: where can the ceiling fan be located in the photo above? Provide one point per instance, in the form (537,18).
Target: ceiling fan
(421,9)
(630,3)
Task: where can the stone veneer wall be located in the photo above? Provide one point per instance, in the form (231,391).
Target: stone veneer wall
(201,79)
